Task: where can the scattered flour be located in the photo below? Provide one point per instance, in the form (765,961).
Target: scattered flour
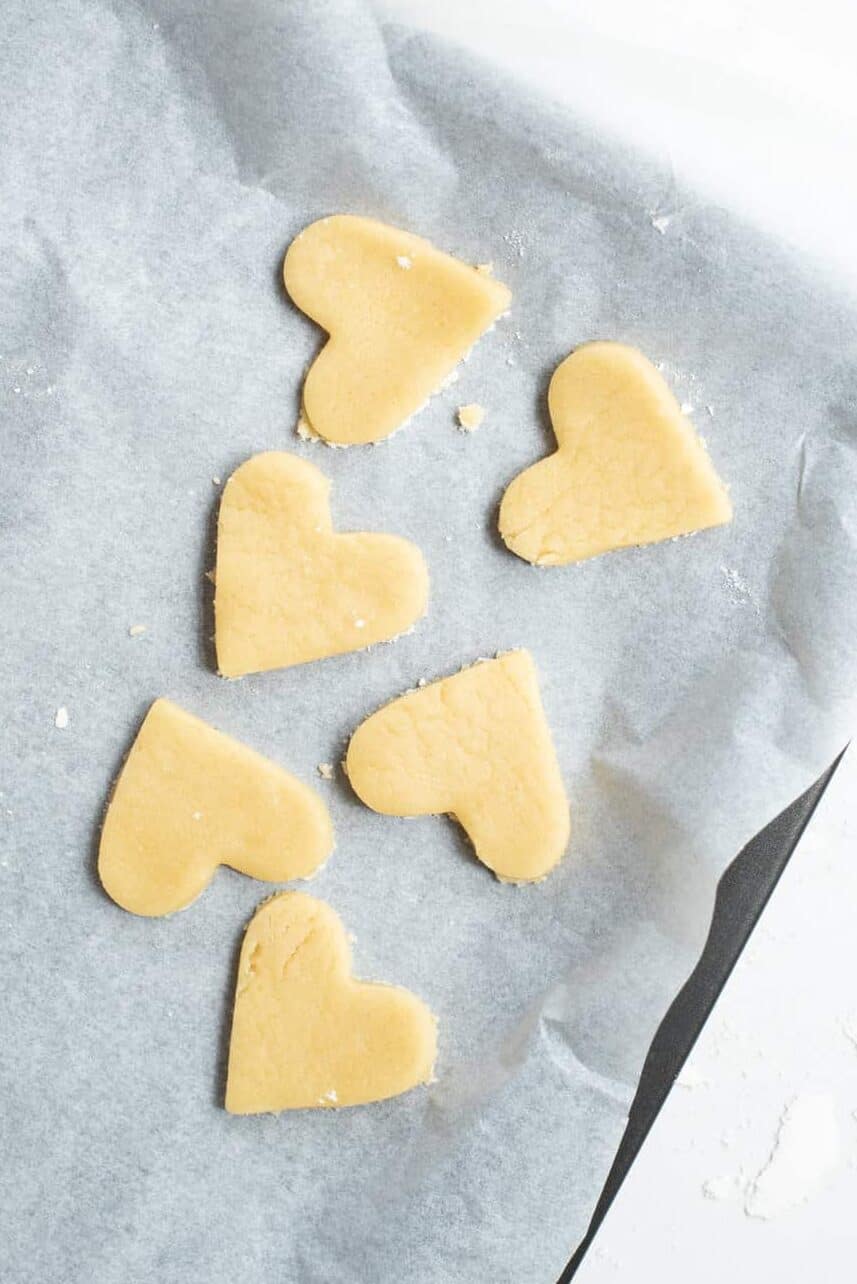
(729,1186)
(805,1152)
(738,587)
(688,1077)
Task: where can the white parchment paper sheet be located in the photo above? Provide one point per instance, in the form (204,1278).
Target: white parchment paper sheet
(156,160)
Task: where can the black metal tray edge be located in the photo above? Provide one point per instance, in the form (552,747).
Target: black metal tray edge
(742,894)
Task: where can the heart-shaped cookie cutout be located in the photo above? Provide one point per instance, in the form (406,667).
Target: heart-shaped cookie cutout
(476,746)
(400,315)
(288,588)
(189,799)
(305,1033)
(629,468)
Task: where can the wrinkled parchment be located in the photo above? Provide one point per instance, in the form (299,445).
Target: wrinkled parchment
(156,160)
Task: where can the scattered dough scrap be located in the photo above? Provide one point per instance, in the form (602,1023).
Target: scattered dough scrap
(395,335)
(305,1033)
(304,429)
(61,718)
(289,588)
(629,468)
(325,770)
(476,746)
(189,799)
(470,417)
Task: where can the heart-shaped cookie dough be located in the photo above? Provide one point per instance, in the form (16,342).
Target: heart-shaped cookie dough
(400,315)
(189,799)
(476,746)
(305,1032)
(288,588)
(629,469)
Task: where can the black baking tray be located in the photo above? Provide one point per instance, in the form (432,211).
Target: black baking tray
(742,895)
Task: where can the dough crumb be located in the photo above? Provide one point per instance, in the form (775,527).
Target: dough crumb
(421,682)
(325,770)
(485,269)
(305,430)
(405,262)
(660,222)
(136,630)
(215,481)
(61,719)
(470,417)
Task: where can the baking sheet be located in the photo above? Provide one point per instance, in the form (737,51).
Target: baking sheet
(156,160)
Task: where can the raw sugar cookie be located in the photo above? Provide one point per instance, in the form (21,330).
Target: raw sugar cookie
(476,746)
(400,315)
(305,1032)
(629,468)
(288,587)
(189,799)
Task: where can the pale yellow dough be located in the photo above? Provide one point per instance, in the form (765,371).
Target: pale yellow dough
(471,417)
(400,315)
(305,1032)
(629,468)
(189,799)
(476,746)
(288,588)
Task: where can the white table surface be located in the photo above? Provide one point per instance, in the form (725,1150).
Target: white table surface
(755,103)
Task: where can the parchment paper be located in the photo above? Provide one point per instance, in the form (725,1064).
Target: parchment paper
(156,160)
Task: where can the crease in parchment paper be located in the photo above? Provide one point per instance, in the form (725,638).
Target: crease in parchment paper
(156,160)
